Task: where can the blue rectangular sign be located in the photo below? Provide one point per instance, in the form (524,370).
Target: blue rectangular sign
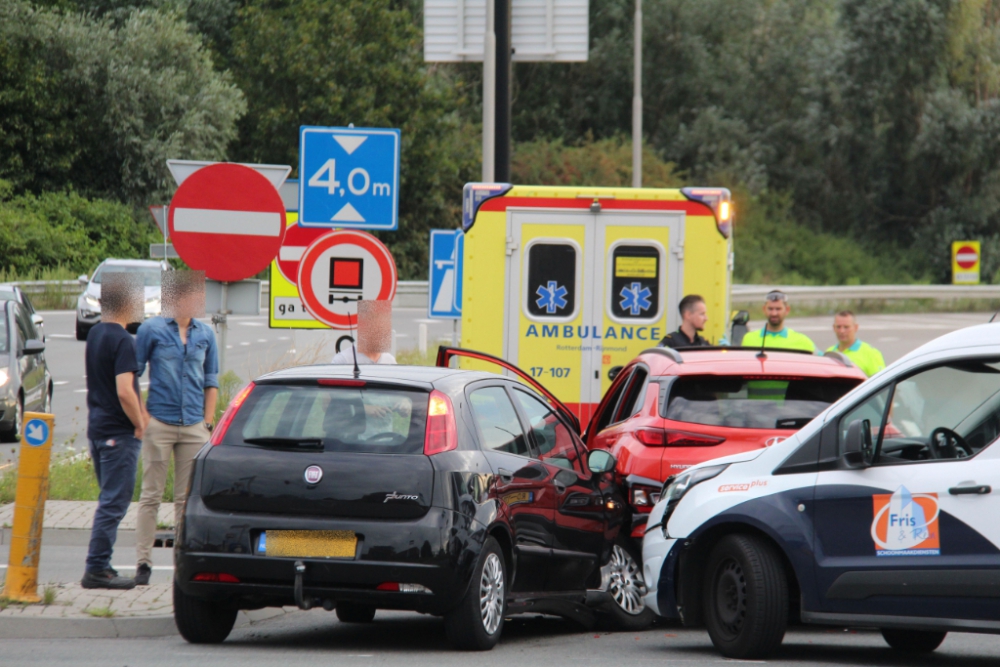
(444,298)
(349,177)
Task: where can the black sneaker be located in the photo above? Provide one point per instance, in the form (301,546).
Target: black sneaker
(142,574)
(107,579)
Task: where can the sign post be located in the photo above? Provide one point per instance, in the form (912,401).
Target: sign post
(965,262)
(29,507)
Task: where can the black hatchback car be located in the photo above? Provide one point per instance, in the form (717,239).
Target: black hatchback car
(456,493)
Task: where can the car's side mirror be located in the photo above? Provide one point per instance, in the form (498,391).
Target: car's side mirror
(858,449)
(614,371)
(600,461)
(83,279)
(33,346)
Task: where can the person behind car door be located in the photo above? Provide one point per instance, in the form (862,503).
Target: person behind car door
(694,315)
(776,334)
(864,356)
(115,421)
(183,390)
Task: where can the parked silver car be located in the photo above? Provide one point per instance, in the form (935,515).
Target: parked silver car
(25,381)
(9,292)
(88,306)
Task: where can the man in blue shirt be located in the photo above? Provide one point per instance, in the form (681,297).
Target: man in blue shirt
(183,389)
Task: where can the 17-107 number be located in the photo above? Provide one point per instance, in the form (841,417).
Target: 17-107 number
(539,371)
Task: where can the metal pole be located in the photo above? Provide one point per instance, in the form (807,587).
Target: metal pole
(221,320)
(637,100)
(454,333)
(489,94)
(503,79)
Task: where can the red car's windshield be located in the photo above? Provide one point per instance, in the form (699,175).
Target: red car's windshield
(752,402)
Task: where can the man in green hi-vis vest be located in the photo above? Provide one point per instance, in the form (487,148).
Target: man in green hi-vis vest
(776,334)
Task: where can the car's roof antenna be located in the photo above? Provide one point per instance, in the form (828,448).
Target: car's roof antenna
(763,339)
(354,348)
(994,316)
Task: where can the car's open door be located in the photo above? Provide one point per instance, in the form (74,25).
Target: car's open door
(446,354)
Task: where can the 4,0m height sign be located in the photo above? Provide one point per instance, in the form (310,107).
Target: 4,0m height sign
(349,177)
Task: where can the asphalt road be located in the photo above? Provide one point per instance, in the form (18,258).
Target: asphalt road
(396,638)
(253,348)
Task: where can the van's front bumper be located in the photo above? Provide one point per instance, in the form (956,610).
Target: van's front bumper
(659,562)
(437,551)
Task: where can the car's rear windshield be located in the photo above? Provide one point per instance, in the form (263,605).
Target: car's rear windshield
(764,402)
(150,274)
(349,419)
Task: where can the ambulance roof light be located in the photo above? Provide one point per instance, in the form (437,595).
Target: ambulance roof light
(720,201)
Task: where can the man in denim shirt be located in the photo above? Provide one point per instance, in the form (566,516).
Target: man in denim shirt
(183,389)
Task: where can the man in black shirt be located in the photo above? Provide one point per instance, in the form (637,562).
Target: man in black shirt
(694,314)
(115,423)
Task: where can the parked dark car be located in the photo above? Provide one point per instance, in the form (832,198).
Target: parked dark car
(25,381)
(456,493)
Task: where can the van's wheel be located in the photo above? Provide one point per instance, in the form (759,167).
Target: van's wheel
(81,330)
(745,597)
(200,621)
(13,434)
(351,612)
(913,641)
(622,579)
(475,624)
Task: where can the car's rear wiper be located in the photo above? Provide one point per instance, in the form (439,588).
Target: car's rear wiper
(292,443)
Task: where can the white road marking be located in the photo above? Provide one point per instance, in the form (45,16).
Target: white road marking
(243,343)
(61,383)
(212,221)
(79,391)
(261,340)
(251,324)
(283,338)
(61,336)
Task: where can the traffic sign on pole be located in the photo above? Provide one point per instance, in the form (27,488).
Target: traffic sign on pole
(445,275)
(297,239)
(349,177)
(341,268)
(228,221)
(965,262)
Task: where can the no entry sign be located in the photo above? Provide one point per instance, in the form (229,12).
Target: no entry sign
(341,268)
(297,239)
(965,262)
(228,221)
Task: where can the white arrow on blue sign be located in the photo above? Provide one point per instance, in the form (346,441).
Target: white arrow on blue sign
(349,177)
(36,432)
(445,297)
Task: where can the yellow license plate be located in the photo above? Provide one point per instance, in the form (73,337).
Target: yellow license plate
(311,543)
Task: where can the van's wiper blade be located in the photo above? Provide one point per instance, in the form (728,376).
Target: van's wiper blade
(294,443)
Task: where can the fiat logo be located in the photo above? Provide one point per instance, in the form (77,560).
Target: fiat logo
(313,474)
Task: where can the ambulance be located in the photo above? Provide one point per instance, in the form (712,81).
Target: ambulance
(571,282)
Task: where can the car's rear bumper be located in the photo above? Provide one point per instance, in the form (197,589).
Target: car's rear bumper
(437,551)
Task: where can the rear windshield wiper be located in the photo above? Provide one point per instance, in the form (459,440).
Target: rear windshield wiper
(292,443)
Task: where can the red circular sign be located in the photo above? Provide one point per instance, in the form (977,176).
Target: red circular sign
(966,257)
(297,239)
(341,268)
(228,221)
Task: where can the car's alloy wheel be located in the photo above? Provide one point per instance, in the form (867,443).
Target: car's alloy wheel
(491,593)
(625,582)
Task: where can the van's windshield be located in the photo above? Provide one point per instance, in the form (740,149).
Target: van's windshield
(764,402)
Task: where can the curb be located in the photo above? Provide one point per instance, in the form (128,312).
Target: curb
(110,628)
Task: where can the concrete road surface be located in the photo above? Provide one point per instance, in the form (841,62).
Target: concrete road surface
(315,638)
(253,349)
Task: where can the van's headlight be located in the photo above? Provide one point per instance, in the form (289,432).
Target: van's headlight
(675,487)
(3,377)
(92,301)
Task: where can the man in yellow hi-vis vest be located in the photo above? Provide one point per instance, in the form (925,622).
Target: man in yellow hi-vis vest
(864,356)
(776,334)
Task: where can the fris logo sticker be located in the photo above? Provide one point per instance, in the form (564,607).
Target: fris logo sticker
(906,524)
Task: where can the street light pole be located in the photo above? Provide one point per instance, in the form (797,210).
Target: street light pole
(637,100)
(489,95)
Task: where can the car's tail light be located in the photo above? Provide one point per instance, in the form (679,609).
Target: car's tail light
(227,417)
(644,497)
(682,439)
(441,434)
(654,437)
(216,578)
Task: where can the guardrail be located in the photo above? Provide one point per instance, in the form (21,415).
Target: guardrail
(413,293)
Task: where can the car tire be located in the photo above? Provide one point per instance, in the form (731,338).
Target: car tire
(81,330)
(352,612)
(13,434)
(745,597)
(625,585)
(47,404)
(913,641)
(200,621)
(476,623)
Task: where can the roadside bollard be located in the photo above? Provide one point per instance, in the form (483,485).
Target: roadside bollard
(29,507)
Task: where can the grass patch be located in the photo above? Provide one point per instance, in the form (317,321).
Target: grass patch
(413,357)
(48,595)
(72,478)
(100,612)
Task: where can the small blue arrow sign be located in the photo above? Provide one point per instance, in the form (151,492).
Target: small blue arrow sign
(349,177)
(36,432)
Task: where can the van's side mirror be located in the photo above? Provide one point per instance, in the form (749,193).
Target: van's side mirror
(83,279)
(600,461)
(858,449)
(614,371)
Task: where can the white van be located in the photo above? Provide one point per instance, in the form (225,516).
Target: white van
(879,513)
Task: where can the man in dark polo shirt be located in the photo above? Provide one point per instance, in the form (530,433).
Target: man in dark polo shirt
(115,422)
(694,314)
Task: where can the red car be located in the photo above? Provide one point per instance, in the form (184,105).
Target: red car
(668,410)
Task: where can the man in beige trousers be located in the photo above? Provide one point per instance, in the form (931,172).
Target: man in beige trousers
(183,389)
